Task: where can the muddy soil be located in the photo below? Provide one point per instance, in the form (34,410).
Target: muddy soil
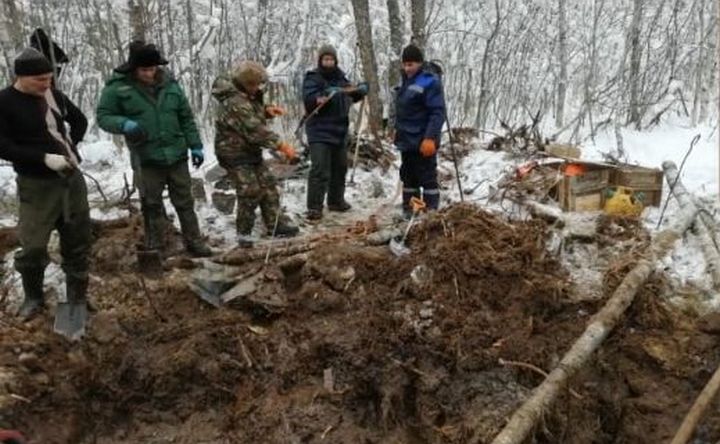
(439,346)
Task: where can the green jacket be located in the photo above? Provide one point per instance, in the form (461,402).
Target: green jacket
(167,119)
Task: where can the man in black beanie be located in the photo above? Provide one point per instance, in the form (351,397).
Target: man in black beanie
(51,190)
(418,121)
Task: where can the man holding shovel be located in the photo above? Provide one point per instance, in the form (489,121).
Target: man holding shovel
(328,94)
(419,118)
(51,190)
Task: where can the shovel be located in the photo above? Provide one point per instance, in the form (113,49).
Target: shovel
(397,246)
(150,262)
(70,319)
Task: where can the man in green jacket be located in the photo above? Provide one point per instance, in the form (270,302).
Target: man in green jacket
(144,103)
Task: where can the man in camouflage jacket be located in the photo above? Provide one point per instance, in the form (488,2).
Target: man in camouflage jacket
(240,136)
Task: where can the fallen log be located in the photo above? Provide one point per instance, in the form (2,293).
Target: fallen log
(703,401)
(243,256)
(526,418)
(705,227)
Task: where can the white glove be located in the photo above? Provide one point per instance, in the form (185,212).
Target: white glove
(57,162)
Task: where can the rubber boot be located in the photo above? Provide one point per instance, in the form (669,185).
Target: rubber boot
(192,238)
(34,300)
(314,215)
(153,226)
(340,207)
(285,229)
(76,290)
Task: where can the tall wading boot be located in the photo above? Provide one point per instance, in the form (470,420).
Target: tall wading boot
(192,238)
(34,300)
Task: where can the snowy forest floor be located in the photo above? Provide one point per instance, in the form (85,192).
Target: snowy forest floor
(437,346)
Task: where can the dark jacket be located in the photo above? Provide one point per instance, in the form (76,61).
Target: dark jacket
(24,137)
(330,124)
(166,117)
(419,111)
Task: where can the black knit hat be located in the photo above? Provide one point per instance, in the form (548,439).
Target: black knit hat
(412,53)
(31,62)
(142,55)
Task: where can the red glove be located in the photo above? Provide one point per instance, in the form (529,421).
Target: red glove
(274,111)
(287,150)
(11,437)
(427,147)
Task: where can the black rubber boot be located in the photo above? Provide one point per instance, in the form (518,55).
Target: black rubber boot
(284,229)
(314,215)
(341,207)
(34,300)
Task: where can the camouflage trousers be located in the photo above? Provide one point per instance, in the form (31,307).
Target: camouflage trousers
(256,186)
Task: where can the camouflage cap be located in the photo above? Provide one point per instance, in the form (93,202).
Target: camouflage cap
(249,72)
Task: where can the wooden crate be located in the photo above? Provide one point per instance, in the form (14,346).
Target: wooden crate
(592,201)
(584,192)
(648,181)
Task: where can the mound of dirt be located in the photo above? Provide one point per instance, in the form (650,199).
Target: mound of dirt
(438,346)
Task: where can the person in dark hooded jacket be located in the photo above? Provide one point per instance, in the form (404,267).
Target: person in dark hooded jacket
(327,131)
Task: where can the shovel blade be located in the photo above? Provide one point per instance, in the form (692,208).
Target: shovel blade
(70,319)
(398,248)
(210,290)
(150,263)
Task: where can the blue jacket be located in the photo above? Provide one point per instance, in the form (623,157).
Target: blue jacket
(419,111)
(330,124)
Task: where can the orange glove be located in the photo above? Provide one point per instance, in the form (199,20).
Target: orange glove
(427,147)
(287,150)
(274,111)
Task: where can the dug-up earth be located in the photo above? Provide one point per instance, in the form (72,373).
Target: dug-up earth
(439,346)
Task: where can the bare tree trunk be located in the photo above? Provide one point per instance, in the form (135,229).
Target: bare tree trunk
(418,22)
(563,61)
(361,10)
(137,22)
(717,63)
(396,41)
(486,67)
(699,65)
(10,33)
(12,23)
(635,57)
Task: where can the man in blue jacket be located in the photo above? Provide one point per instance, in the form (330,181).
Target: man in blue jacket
(419,118)
(327,131)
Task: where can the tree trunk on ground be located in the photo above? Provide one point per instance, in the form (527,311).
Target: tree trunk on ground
(526,418)
(703,401)
(361,10)
(705,227)
(419,20)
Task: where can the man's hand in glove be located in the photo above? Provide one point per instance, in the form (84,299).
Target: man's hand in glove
(197,156)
